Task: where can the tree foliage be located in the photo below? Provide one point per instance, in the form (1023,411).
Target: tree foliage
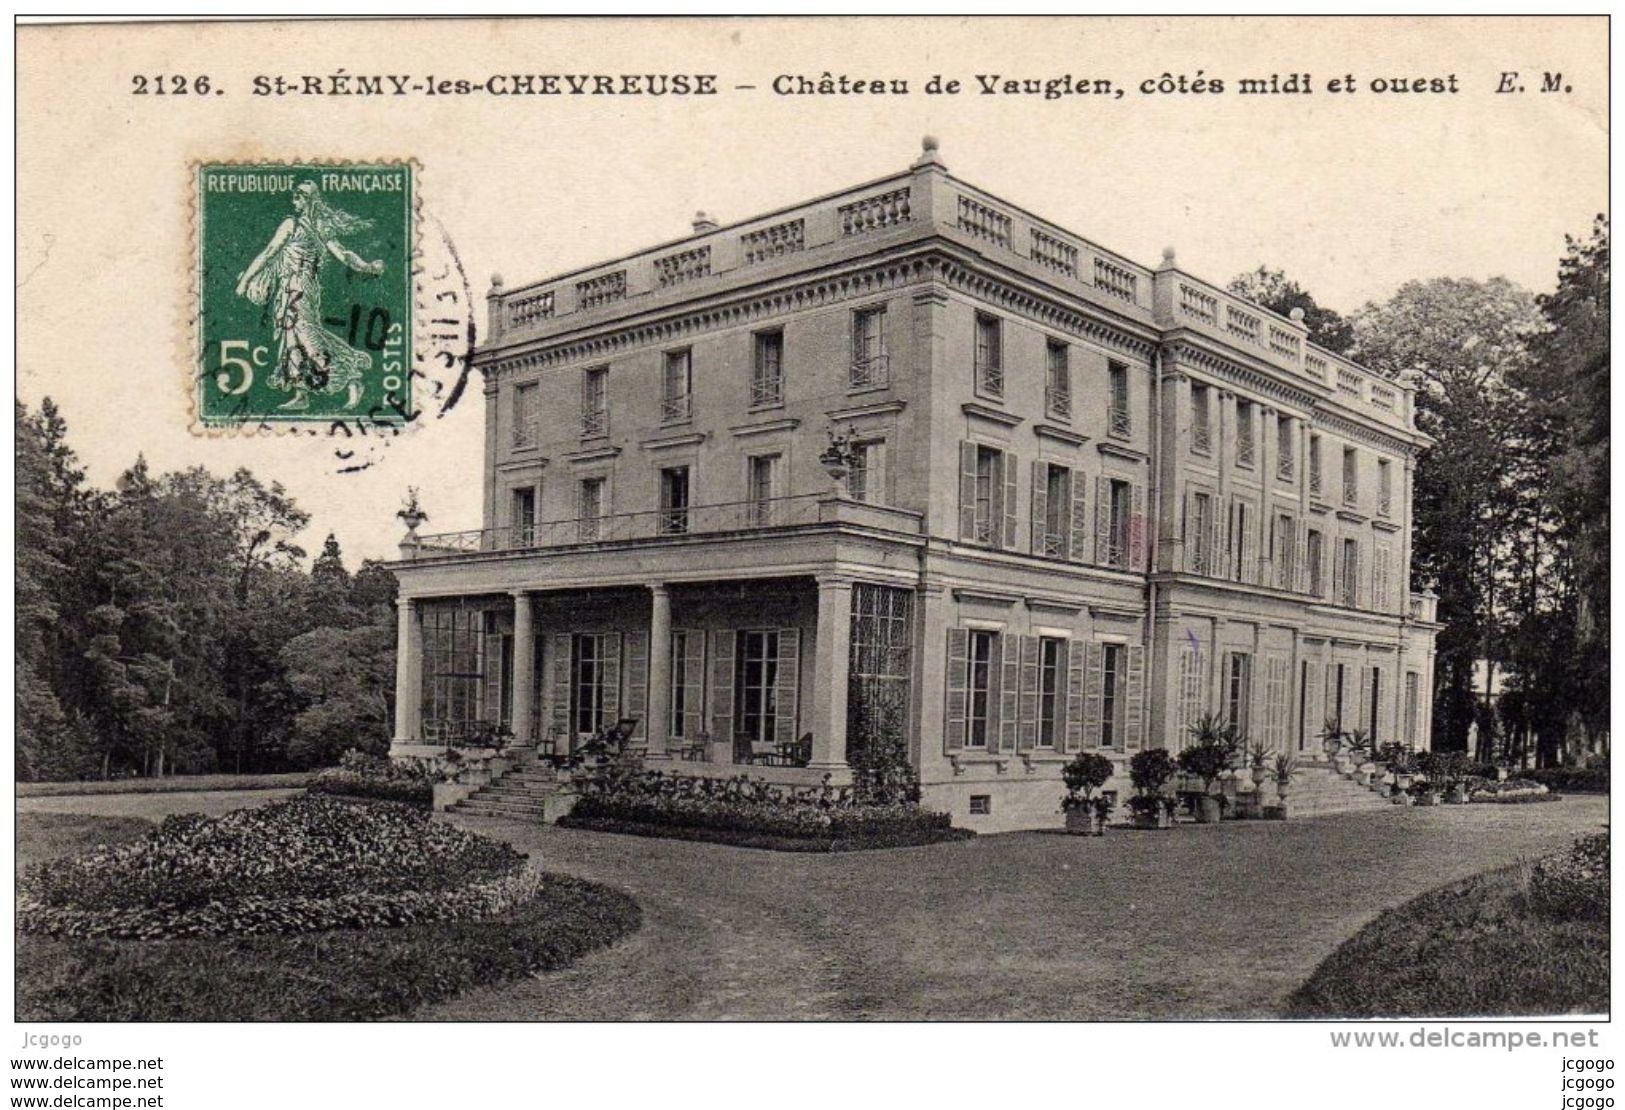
(154,621)
(1273,290)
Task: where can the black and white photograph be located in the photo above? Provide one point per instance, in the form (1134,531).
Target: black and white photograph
(718,539)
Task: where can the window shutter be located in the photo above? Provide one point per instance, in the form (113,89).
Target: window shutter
(1217,552)
(1249,542)
(559,649)
(494,678)
(1367,693)
(1187,536)
(610,649)
(1040,510)
(637,679)
(1356,579)
(722,684)
(1027,734)
(953,734)
(1134,688)
(1009,466)
(1337,572)
(1078,520)
(1137,537)
(1302,583)
(967,490)
(693,680)
(1009,685)
(1075,650)
(1224,685)
(787,683)
(1331,707)
(1103,520)
(1093,695)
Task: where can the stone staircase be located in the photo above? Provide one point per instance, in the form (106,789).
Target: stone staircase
(530,792)
(1317,789)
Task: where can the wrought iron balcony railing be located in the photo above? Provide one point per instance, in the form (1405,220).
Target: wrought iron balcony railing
(1058,403)
(733,516)
(674,409)
(871,372)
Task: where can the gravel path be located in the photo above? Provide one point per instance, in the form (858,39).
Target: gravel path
(1200,922)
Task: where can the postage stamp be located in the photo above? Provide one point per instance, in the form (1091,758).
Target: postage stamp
(304,293)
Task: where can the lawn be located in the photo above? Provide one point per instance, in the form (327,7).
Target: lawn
(1470,949)
(340,974)
(169,784)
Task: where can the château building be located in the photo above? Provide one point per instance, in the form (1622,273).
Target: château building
(909,459)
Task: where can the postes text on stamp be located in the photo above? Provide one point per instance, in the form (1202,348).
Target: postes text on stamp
(303,293)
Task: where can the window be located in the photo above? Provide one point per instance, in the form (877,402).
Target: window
(1199,534)
(979,687)
(1335,692)
(1119,507)
(590,512)
(674,500)
(1238,688)
(866,481)
(1058,381)
(676,398)
(1374,710)
(989,494)
(523,516)
(881,661)
(1241,540)
(1118,423)
(762,488)
(1201,419)
(1351,573)
(1314,555)
(1052,516)
(454,663)
(595,402)
(757,680)
(1286,552)
(1051,690)
(587,683)
(767,370)
(1284,462)
(871,366)
(526,415)
(1314,465)
(1245,421)
(1351,476)
(1385,487)
(681,646)
(989,355)
(1111,699)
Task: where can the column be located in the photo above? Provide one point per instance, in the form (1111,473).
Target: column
(834,649)
(1174,448)
(930,677)
(408,670)
(1267,436)
(524,670)
(659,722)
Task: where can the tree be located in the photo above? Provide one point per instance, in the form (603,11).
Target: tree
(1462,343)
(1273,290)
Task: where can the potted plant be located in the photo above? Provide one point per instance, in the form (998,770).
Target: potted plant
(411,512)
(1103,804)
(1212,753)
(1086,773)
(1150,771)
(1331,737)
(1259,757)
(1285,765)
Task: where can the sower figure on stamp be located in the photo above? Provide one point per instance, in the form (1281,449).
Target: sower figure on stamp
(287,274)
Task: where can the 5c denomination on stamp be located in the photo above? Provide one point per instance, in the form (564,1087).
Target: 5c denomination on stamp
(304,293)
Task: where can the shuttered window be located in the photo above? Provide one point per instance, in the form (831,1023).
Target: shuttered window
(987,495)
(1051,687)
(979,685)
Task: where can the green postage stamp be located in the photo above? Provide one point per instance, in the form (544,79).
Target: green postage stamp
(304,293)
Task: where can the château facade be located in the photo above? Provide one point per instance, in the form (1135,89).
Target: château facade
(908,459)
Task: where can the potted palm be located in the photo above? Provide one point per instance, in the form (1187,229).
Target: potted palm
(1285,765)
(1150,772)
(1212,753)
(1086,773)
(1259,757)
(1331,737)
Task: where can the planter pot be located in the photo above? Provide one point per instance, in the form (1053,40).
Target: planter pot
(1080,822)
(1457,796)
(1146,821)
(1208,810)
(1260,775)
(1403,781)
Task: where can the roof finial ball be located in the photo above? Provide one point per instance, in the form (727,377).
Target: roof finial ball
(1297,315)
(1168,262)
(496,281)
(928,153)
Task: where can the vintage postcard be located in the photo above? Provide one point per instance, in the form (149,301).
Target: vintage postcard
(1011,520)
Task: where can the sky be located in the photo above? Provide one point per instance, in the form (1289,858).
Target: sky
(1352,194)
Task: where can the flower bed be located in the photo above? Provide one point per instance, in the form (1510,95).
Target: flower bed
(308,864)
(1509,790)
(649,801)
(1574,885)
(380,779)
(1572,780)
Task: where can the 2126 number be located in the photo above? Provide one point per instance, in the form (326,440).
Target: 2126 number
(161,85)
